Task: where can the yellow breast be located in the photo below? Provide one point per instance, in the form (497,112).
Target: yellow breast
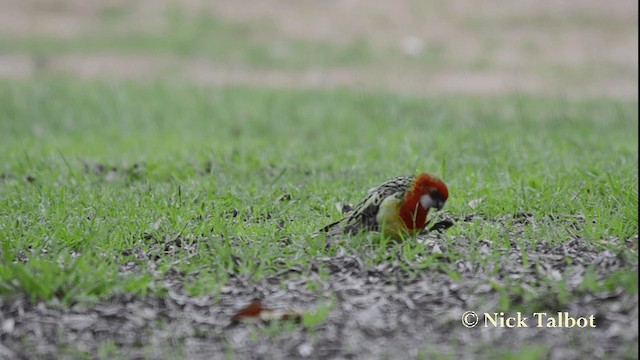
(388,217)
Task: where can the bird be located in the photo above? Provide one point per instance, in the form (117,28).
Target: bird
(397,208)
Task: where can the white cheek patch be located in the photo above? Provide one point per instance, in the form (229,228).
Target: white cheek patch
(426,201)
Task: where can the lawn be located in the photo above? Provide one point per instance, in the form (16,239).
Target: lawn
(137,218)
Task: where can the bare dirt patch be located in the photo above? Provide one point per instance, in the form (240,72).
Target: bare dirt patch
(376,310)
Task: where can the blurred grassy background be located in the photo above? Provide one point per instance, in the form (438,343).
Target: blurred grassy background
(569,48)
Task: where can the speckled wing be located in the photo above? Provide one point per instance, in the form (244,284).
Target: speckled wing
(364,215)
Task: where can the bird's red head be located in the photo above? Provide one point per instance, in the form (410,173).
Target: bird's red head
(433,192)
(426,192)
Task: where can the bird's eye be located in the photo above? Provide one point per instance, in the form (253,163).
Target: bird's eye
(435,194)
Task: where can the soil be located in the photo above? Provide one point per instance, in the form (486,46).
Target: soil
(374,311)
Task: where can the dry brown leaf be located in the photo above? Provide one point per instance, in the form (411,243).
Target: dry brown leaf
(256,311)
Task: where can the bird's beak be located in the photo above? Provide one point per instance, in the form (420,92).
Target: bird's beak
(439,205)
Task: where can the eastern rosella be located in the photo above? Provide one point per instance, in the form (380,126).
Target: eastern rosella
(397,208)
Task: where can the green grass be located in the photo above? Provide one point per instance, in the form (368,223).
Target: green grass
(212,165)
(203,35)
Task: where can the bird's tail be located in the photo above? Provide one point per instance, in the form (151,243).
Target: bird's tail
(332,230)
